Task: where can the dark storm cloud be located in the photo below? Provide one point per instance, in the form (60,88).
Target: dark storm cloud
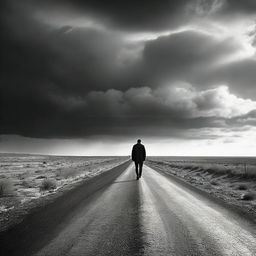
(142,15)
(136,111)
(150,15)
(41,65)
(74,81)
(238,6)
(62,56)
(244,121)
(240,75)
(183,54)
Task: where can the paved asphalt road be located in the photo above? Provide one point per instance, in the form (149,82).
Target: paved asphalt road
(114,214)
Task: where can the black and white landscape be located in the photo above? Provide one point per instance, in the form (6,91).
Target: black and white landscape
(81,81)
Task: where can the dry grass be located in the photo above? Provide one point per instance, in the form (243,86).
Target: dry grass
(242,187)
(6,188)
(48,184)
(248,196)
(40,177)
(65,173)
(26,184)
(218,169)
(214,183)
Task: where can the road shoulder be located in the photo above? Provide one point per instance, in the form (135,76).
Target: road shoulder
(235,209)
(46,219)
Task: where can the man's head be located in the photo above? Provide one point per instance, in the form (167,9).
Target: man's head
(139,141)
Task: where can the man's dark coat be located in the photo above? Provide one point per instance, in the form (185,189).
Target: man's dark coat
(138,153)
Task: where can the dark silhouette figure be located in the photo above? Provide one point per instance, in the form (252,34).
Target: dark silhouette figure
(138,156)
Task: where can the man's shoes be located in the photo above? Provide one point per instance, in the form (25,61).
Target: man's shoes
(138,177)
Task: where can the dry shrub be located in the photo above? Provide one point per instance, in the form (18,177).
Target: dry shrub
(65,173)
(40,177)
(214,183)
(248,196)
(48,184)
(26,184)
(6,188)
(242,187)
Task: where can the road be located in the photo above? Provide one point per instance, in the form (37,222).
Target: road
(156,215)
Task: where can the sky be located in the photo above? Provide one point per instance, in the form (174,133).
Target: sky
(92,77)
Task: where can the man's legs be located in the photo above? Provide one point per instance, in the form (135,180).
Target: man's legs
(141,165)
(136,169)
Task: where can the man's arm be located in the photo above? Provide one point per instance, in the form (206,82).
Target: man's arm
(144,153)
(133,153)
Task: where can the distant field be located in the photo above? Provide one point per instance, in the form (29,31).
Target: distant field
(241,166)
(230,160)
(25,177)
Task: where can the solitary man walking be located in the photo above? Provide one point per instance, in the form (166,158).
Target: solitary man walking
(138,156)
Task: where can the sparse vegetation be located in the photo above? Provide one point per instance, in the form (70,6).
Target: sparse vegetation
(217,169)
(48,184)
(28,178)
(248,196)
(40,177)
(242,187)
(65,173)
(26,184)
(6,188)
(214,183)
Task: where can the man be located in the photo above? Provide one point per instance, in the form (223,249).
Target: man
(138,156)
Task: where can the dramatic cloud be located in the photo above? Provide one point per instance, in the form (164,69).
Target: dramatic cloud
(185,54)
(239,75)
(94,69)
(129,15)
(134,111)
(246,6)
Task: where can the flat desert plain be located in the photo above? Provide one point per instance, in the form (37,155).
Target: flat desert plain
(28,180)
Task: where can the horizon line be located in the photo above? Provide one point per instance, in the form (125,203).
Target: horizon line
(41,154)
